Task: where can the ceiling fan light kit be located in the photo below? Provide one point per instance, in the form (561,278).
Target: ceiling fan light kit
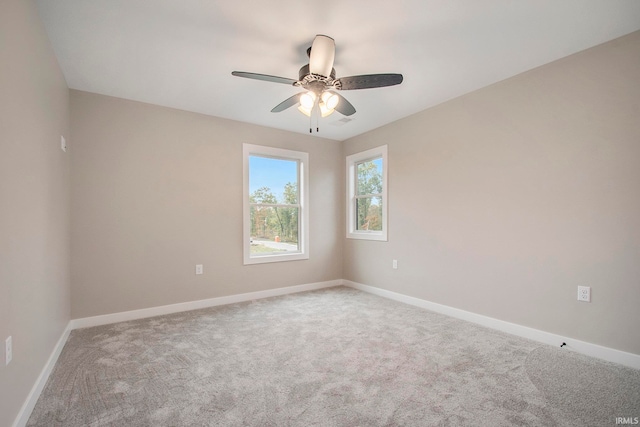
(318,79)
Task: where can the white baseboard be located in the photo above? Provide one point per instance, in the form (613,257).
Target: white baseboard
(194,305)
(589,349)
(34,394)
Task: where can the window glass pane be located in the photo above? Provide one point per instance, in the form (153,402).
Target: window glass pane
(274,230)
(367,194)
(275,199)
(369,214)
(273,180)
(369,177)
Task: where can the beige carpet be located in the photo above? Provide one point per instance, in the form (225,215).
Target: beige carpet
(335,357)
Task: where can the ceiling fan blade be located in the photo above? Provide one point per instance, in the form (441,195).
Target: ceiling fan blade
(369,81)
(289,102)
(344,107)
(265,77)
(323,51)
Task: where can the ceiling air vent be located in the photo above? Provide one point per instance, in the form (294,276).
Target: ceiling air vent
(342,121)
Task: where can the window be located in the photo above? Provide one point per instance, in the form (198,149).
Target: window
(276,200)
(367,194)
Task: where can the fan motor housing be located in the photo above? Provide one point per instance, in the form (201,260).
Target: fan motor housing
(304,72)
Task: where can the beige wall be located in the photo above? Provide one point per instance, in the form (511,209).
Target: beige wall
(156,191)
(34,202)
(503,201)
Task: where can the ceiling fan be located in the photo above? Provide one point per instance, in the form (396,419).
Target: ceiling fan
(318,79)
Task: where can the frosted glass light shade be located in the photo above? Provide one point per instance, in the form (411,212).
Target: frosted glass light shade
(305,111)
(324,110)
(330,100)
(307,100)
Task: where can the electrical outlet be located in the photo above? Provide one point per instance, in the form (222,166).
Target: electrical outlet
(199,269)
(63,143)
(8,351)
(584,293)
(395,264)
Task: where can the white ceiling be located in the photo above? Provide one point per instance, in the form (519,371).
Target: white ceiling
(180,53)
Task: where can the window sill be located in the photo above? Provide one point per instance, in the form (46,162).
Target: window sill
(263,259)
(364,235)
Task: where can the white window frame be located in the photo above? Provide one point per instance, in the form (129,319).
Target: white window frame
(303,188)
(352,161)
